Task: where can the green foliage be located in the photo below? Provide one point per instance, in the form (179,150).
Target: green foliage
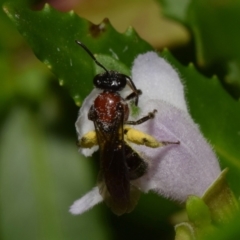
(215,28)
(38,183)
(52,36)
(214,42)
(40,171)
(207,215)
(175,9)
(41,174)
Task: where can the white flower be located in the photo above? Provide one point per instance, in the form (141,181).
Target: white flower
(175,171)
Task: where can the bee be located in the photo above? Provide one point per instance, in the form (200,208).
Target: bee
(119,163)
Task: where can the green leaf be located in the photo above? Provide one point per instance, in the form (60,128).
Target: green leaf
(215,28)
(184,231)
(40,177)
(21,76)
(175,9)
(221,200)
(52,36)
(28,82)
(232,79)
(228,231)
(217,114)
(48,30)
(9,37)
(198,212)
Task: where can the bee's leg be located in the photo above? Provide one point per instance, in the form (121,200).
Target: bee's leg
(137,167)
(140,138)
(134,94)
(143,119)
(88,140)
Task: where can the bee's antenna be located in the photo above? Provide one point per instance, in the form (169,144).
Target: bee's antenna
(91,55)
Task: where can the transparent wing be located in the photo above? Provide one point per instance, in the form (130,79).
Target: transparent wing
(119,165)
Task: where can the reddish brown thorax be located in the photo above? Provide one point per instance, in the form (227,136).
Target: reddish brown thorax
(106,106)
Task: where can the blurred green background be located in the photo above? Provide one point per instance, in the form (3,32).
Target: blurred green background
(41,171)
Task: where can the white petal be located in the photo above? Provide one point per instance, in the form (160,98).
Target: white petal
(158,80)
(85,203)
(83,124)
(154,76)
(176,171)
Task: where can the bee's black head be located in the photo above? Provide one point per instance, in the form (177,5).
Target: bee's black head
(110,80)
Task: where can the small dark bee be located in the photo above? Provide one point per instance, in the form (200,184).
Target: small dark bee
(119,163)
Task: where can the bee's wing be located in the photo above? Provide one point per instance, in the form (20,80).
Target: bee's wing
(119,207)
(136,167)
(113,179)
